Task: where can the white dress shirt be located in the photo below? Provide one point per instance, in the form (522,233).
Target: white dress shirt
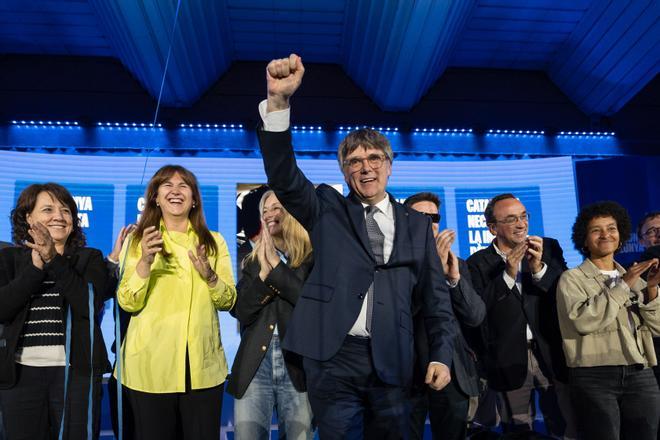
(385,219)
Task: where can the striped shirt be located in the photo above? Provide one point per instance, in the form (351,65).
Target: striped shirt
(41,343)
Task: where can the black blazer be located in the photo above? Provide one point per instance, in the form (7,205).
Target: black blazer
(470,312)
(19,279)
(508,313)
(345,267)
(260,305)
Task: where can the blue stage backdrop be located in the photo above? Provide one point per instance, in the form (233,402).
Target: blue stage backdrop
(108,190)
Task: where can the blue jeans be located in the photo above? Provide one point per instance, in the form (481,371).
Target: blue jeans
(271,388)
(613,402)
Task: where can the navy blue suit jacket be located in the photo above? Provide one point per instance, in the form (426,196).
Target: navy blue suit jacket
(345,267)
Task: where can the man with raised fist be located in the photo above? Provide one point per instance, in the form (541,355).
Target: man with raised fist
(374,261)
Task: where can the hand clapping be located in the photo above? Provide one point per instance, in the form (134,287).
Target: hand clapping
(266,254)
(652,280)
(443,242)
(534,253)
(635,271)
(514,257)
(42,245)
(152,243)
(119,241)
(201,263)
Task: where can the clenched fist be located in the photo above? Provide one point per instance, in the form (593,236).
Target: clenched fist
(283,77)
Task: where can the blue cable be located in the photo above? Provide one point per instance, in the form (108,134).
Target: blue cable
(90,399)
(118,343)
(162,84)
(67,351)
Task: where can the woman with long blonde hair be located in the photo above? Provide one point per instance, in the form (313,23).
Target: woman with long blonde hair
(263,375)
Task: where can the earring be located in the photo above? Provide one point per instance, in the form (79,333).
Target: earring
(194,206)
(158,204)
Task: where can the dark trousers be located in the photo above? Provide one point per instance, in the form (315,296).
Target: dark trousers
(615,402)
(447,409)
(656,372)
(193,415)
(32,409)
(128,425)
(348,399)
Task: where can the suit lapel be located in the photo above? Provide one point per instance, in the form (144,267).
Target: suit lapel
(356,215)
(493,260)
(401,227)
(525,273)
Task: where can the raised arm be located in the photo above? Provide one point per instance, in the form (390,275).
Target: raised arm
(283,78)
(293,189)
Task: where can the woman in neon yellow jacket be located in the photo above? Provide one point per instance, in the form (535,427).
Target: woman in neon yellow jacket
(176,276)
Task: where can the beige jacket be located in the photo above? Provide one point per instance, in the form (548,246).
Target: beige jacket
(595,323)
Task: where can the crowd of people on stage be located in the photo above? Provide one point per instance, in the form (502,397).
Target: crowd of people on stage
(357,320)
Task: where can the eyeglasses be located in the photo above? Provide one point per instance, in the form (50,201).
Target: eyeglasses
(651,232)
(511,219)
(435,218)
(356,163)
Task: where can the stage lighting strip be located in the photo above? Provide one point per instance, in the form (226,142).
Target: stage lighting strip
(515,133)
(223,127)
(574,134)
(47,124)
(314,128)
(134,125)
(444,131)
(379,128)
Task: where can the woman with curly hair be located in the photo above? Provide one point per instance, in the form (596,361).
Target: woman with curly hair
(50,286)
(263,375)
(607,317)
(176,276)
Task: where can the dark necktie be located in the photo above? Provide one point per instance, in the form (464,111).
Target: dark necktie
(377,241)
